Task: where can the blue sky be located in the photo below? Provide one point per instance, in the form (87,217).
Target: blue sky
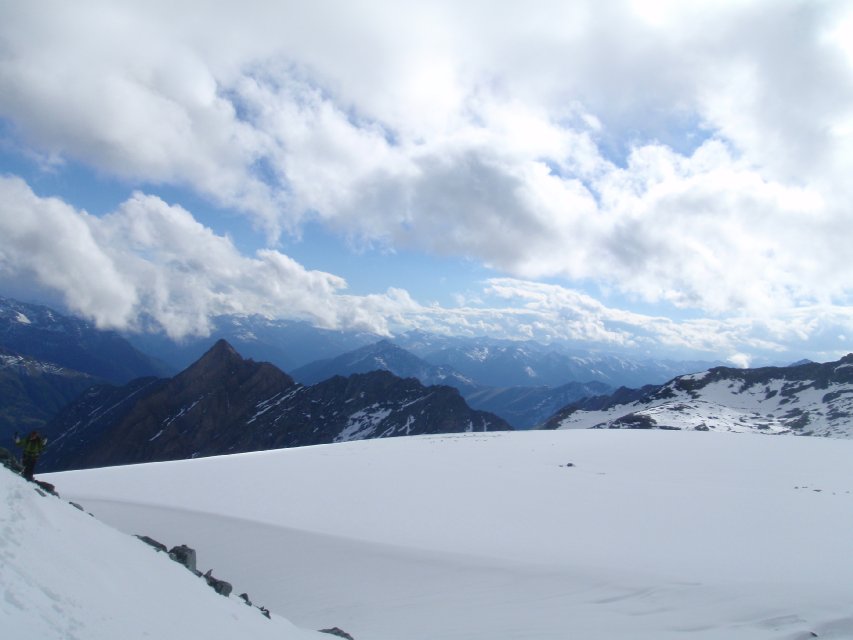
(652,177)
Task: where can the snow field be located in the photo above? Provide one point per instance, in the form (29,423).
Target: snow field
(647,535)
(65,575)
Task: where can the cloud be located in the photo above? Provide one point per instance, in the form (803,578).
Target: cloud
(151,266)
(151,262)
(697,156)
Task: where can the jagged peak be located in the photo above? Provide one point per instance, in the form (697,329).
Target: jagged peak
(220,356)
(222,348)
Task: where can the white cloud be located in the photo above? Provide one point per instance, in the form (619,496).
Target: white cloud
(740,360)
(150,261)
(697,155)
(151,265)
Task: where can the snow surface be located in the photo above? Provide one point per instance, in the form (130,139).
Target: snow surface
(539,535)
(65,575)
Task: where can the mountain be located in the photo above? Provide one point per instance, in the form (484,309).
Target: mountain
(381,356)
(535,535)
(506,363)
(805,399)
(45,335)
(527,407)
(225,404)
(522,407)
(32,391)
(287,344)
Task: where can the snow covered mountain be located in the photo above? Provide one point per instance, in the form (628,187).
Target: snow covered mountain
(505,363)
(537,535)
(381,356)
(805,399)
(45,335)
(224,404)
(32,391)
(67,575)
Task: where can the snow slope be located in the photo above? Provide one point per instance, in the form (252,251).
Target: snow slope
(65,575)
(534,535)
(772,400)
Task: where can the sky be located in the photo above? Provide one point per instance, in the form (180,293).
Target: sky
(655,177)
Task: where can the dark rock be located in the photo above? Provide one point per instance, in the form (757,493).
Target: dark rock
(245,597)
(221,587)
(635,421)
(337,632)
(265,611)
(153,543)
(184,555)
(46,486)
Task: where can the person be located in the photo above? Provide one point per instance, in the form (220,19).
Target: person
(32,445)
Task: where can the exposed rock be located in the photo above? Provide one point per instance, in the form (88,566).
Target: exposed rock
(184,555)
(337,632)
(159,546)
(221,587)
(46,486)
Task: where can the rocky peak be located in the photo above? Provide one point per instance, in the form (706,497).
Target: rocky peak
(222,366)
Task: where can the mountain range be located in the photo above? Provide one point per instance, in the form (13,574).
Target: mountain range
(226,404)
(47,359)
(524,383)
(803,399)
(309,353)
(46,336)
(33,391)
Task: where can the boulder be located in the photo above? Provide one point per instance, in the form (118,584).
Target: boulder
(184,555)
(219,586)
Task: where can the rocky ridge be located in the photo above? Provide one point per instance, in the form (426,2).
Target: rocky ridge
(805,399)
(226,404)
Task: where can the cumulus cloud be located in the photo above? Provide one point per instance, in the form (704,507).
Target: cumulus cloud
(696,155)
(153,262)
(150,265)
